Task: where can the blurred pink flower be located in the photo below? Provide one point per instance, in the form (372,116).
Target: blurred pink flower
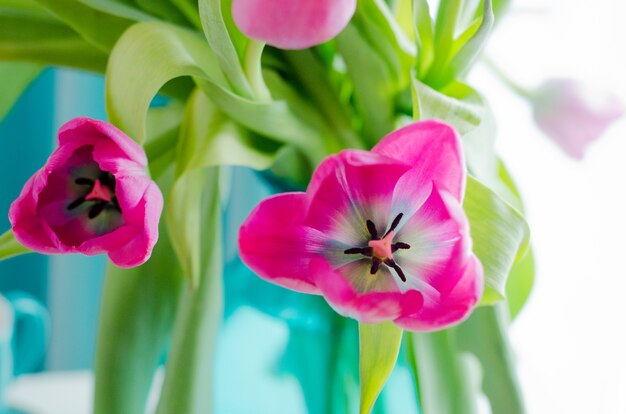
(292,24)
(381,234)
(92,196)
(573,114)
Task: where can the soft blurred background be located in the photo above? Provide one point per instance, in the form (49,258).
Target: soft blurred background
(569,340)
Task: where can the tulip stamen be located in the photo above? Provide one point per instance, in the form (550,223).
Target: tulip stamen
(380,250)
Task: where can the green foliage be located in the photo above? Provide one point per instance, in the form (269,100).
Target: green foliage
(9,247)
(146,57)
(500,235)
(190,367)
(448,381)
(379,345)
(30,33)
(484,334)
(14,79)
(99,28)
(137,315)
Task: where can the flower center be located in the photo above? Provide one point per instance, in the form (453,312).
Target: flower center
(100,193)
(381,249)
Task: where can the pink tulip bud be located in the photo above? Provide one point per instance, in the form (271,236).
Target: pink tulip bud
(573,114)
(292,24)
(92,196)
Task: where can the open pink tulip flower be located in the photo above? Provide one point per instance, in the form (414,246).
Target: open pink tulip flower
(92,196)
(573,114)
(292,24)
(380,234)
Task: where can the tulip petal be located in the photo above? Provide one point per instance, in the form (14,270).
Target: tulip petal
(450,309)
(371,307)
(438,234)
(433,149)
(350,188)
(274,242)
(289,24)
(145,220)
(87,131)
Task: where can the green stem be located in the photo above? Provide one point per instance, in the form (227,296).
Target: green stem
(254,70)
(313,78)
(410,350)
(506,79)
(9,247)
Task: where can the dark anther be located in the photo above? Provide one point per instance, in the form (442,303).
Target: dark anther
(376,262)
(371,227)
(399,245)
(96,209)
(76,203)
(83,181)
(107,180)
(391,263)
(395,223)
(365,251)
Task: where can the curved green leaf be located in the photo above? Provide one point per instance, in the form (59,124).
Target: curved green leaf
(214,15)
(146,57)
(14,79)
(31,34)
(10,247)
(500,236)
(100,29)
(379,345)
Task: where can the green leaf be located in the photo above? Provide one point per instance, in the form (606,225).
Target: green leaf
(190,366)
(374,91)
(136,319)
(485,335)
(522,276)
(147,56)
(465,58)
(381,30)
(520,283)
(10,247)
(14,79)
(379,346)
(100,29)
(500,236)
(448,381)
(164,10)
(465,109)
(214,16)
(425,36)
(210,138)
(274,119)
(119,9)
(31,34)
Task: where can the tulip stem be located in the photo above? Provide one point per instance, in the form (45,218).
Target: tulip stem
(254,70)
(506,79)
(9,247)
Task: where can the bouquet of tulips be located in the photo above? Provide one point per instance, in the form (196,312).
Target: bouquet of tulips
(392,206)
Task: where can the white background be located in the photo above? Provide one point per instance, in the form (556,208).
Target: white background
(570,340)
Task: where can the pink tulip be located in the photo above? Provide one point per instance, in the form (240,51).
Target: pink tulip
(573,114)
(292,24)
(92,196)
(381,234)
